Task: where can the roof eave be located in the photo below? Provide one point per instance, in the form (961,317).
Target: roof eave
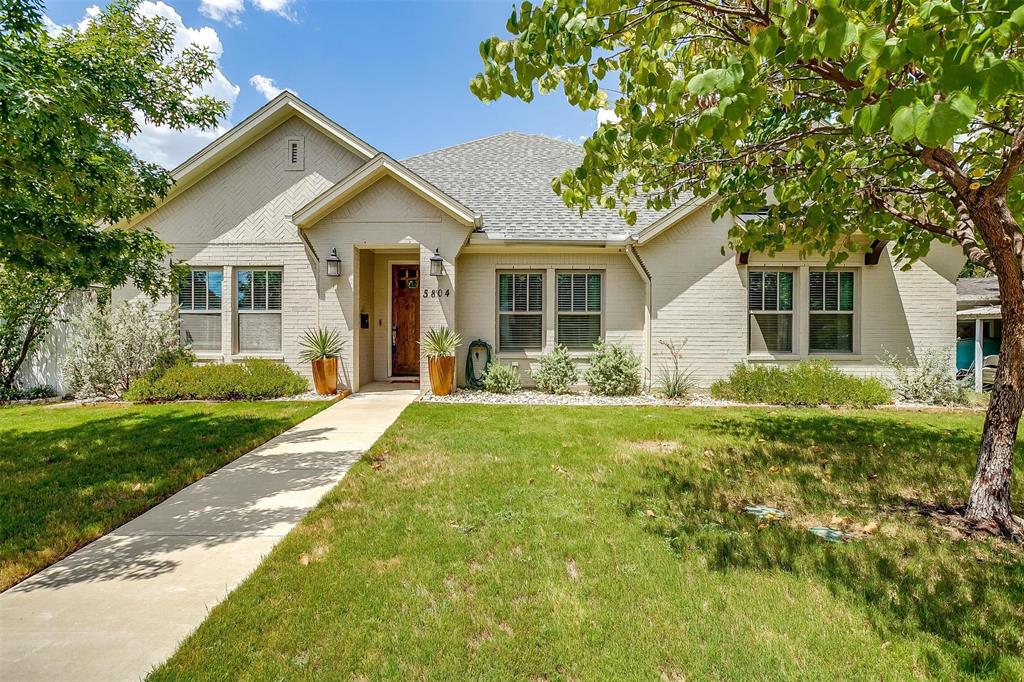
(369,173)
(671,218)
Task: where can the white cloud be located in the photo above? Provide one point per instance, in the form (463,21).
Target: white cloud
(606,116)
(161,144)
(280,7)
(91,12)
(228,11)
(51,26)
(266,87)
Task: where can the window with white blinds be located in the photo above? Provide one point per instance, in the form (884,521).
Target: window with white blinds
(770,300)
(579,309)
(520,311)
(199,310)
(831,304)
(259,310)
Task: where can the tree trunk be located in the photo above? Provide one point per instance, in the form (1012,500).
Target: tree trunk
(989,505)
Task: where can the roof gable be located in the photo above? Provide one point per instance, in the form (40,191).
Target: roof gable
(378,167)
(253,128)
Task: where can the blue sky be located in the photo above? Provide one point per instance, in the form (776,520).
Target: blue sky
(394,73)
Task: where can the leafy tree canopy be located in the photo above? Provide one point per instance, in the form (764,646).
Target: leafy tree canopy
(68,102)
(892,117)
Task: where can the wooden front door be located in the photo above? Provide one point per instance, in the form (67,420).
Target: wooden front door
(405,320)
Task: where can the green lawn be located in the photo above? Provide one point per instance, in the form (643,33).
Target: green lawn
(69,475)
(598,543)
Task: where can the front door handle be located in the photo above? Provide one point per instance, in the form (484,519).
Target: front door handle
(394,337)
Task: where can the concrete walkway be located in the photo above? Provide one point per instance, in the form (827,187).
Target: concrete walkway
(118,607)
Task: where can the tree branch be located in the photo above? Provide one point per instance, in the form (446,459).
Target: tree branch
(1012,164)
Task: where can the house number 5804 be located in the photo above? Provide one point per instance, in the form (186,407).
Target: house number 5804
(437,293)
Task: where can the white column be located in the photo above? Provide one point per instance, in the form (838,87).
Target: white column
(979,352)
(227,313)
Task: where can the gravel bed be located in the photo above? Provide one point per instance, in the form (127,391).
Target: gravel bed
(527,397)
(308,395)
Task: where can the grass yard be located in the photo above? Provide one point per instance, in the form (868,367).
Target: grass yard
(69,475)
(608,543)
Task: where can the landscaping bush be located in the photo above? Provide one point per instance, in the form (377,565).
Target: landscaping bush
(8,395)
(502,379)
(931,382)
(556,372)
(614,370)
(111,346)
(811,382)
(674,382)
(252,379)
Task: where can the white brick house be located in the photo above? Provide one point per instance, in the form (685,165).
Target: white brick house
(259,213)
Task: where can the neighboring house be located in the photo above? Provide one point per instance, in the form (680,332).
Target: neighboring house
(979,330)
(269,209)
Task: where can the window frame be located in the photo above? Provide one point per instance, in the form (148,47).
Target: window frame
(793,312)
(854,313)
(528,313)
(252,310)
(587,313)
(192,310)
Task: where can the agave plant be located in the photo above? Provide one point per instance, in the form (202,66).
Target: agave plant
(440,342)
(320,343)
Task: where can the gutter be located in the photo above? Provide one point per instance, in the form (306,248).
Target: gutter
(645,275)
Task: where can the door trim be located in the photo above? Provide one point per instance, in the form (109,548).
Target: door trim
(391,278)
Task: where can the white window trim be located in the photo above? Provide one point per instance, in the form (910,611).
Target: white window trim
(204,354)
(238,353)
(855,352)
(300,143)
(794,353)
(600,313)
(522,352)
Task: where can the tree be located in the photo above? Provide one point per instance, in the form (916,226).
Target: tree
(29,303)
(68,102)
(896,120)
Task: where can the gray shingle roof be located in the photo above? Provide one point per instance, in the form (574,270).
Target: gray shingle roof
(507,179)
(977,291)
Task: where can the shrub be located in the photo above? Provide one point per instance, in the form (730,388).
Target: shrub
(931,382)
(251,379)
(34,393)
(110,346)
(675,382)
(502,379)
(811,382)
(556,372)
(614,370)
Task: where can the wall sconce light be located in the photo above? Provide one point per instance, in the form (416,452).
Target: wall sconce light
(436,264)
(333,264)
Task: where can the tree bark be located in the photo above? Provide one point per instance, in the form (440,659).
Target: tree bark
(988,507)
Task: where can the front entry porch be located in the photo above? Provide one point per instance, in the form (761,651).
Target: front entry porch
(388,285)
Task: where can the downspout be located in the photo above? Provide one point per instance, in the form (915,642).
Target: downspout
(312,251)
(645,275)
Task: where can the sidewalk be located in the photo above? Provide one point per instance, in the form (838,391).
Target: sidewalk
(118,607)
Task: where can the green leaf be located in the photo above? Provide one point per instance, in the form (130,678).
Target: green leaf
(903,123)
(872,118)
(936,125)
(767,42)
(872,41)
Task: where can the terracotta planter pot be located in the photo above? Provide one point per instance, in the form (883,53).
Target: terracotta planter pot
(325,376)
(442,374)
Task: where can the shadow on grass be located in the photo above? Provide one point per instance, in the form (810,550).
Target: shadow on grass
(63,486)
(915,578)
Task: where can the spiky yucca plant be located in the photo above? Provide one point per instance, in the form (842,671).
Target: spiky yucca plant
(440,342)
(321,343)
